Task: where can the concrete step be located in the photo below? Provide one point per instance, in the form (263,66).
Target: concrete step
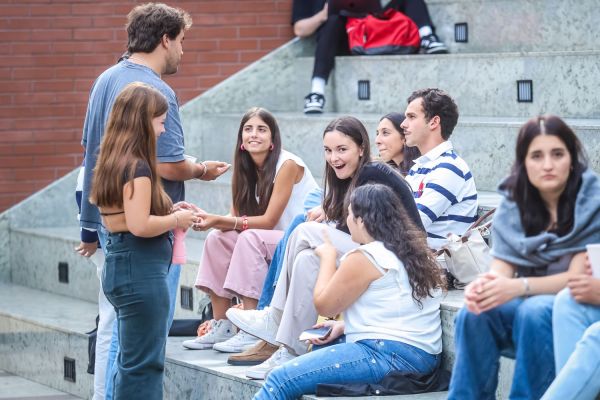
(16,387)
(516,25)
(486,143)
(35,340)
(482,84)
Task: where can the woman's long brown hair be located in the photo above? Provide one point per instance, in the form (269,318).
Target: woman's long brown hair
(247,185)
(129,138)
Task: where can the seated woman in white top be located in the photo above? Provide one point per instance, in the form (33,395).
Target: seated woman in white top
(269,186)
(389,290)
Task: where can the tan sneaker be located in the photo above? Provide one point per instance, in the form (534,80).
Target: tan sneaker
(255,355)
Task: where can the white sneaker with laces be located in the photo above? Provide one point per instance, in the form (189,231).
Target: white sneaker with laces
(258,323)
(238,343)
(218,331)
(278,358)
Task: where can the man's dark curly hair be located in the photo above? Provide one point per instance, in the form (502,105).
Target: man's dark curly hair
(147,23)
(437,102)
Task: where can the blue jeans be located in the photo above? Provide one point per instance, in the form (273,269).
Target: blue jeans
(576,330)
(276,264)
(312,200)
(134,280)
(172,285)
(365,361)
(521,329)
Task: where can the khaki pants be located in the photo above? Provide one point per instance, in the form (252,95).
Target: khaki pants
(294,291)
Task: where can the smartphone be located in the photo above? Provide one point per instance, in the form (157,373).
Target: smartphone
(316,333)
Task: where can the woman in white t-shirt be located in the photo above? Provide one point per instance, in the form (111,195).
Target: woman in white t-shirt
(389,291)
(269,186)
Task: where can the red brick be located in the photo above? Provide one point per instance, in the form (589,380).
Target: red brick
(56,59)
(243,19)
(53,86)
(55,135)
(28,23)
(93,9)
(93,34)
(267,19)
(16,187)
(16,36)
(15,86)
(35,174)
(208,82)
(23,161)
(7,174)
(51,10)
(5,73)
(55,161)
(11,136)
(14,11)
(6,99)
(218,57)
(75,72)
(35,98)
(205,45)
(6,149)
(30,48)
(95,59)
(239,44)
(32,149)
(258,31)
(33,73)
(226,70)
(72,22)
(109,21)
(51,34)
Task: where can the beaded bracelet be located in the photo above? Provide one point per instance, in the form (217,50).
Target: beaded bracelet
(244,222)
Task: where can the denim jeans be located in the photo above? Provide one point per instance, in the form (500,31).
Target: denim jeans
(521,329)
(365,361)
(312,200)
(135,282)
(576,330)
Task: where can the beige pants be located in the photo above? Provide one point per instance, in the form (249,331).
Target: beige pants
(294,290)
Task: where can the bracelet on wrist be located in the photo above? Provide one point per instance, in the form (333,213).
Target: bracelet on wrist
(176,220)
(244,222)
(526,286)
(205,169)
(235,224)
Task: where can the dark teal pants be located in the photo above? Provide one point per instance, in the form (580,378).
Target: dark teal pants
(134,280)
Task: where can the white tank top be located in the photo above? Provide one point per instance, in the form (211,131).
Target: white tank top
(386,310)
(300,190)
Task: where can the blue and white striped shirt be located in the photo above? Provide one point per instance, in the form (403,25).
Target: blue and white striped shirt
(445,193)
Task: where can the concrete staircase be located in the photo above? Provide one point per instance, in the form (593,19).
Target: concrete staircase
(550,42)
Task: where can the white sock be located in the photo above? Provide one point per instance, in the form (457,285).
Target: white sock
(425,31)
(318,85)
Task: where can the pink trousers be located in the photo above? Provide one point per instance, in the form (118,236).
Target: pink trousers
(236,263)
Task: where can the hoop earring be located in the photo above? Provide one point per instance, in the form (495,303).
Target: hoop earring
(242,148)
(271,147)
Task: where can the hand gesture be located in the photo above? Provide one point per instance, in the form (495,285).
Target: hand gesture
(585,288)
(316,214)
(337,330)
(86,249)
(214,169)
(326,249)
(205,221)
(185,218)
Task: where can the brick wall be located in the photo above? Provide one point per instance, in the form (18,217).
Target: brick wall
(53,50)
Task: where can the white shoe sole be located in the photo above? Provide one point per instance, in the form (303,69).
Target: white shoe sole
(261,375)
(191,345)
(231,349)
(248,329)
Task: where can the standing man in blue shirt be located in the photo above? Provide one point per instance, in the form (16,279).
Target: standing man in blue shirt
(442,183)
(155,34)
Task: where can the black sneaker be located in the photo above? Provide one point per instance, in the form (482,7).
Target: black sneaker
(430,44)
(314,103)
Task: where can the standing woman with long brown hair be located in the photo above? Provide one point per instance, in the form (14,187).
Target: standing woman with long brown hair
(138,215)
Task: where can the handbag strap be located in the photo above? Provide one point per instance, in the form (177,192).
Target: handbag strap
(481,219)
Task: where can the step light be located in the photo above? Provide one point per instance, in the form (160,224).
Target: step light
(187,298)
(69,369)
(461,32)
(63,272)
(525,91)
(364,90)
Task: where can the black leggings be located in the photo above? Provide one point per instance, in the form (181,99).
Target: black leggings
(332,39)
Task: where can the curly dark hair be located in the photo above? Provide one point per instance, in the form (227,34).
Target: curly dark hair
(437,102)
(147,23)
(387,221)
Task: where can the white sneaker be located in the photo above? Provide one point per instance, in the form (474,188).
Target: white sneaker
(278,358)
(240,342)
(218,331)
(258,323)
